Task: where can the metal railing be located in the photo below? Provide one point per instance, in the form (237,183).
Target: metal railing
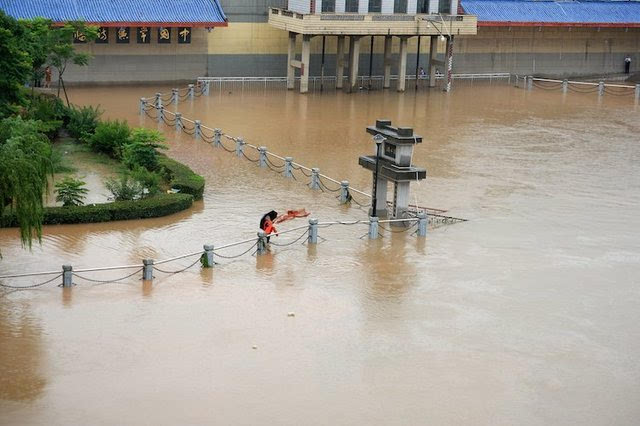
(601,88)
(375,82)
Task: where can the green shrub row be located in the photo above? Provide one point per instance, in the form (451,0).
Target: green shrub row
(161,205)
(181,177)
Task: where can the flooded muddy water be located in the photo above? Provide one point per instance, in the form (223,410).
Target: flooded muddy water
(526,314)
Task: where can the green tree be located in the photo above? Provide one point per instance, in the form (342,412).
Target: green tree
(15,66)
(142,148)
(71,192)
(62,51)
(25,164)
(110,137)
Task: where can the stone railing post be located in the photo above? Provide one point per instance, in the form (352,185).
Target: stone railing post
(315,178)
(288,167)
(191,92)
(601,88)
(147,269)
(208,255)
(313,231)
(344,191)
(262,242)
(178,121)
(373,227)
(239,147)
(263,156)
(217,136)
(175,97)
(67,275)
(158,100)
(565,85)
(198,129)
(423,221)
(160,114)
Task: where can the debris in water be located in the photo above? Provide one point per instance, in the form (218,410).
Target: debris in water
(291,314)
(255,346)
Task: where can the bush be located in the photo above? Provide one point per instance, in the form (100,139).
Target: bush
(142,149)
(150,180)
(83,122)
(162,205)
(125,188)
(50,111)
(71,192)
(110,138)
(181,177)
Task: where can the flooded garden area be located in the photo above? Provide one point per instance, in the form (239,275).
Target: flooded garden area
(525,314)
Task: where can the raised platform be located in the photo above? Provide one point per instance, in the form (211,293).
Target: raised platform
(372,24)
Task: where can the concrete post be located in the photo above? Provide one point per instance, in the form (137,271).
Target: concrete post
(423,221)
(143,105)
(206,89)
(601,88)
(178,121)
(191,92)
(354,62)
(402,66)
(288,167)
(208,254)
(400,200)
(315,178)
(529,81)
(565,85)
(262,242)
(388,44)
(217,136)
(449,63)
(158,100)
(198,130)
(239,147)
(291,55)
(67,275)
(304,68)
(263,156)
(174,96)
(637,92)
(344,192)
(433,52)
(313,231)
(160,114)
(373,227)
(147,269)
(340,63)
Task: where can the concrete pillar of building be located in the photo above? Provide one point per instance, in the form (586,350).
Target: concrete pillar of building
(454,7)
(354,60)
(340,62)
(402,67)
(388,44)
(449,63)
(291,70)
(433,52)
(434,6)
(304,66)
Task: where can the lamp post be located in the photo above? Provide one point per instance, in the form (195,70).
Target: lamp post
(378,139)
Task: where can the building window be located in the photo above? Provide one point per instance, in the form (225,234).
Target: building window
(400,6)
(445,6)
(328,6)
(351,6)
(375,6)
(423,6)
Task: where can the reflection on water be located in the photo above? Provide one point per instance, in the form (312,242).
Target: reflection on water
(526,314)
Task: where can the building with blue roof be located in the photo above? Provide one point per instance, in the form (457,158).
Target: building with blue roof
(138,40)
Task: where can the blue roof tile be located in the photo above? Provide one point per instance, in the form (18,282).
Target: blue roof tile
(113,11)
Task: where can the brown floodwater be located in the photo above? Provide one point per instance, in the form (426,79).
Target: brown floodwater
(526,314)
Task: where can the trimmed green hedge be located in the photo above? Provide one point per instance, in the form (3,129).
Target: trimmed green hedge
(181,177)
(161,205)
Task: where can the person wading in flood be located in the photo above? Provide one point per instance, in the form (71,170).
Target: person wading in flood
(266,223)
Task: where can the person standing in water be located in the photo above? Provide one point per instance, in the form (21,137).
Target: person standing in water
(627,64)
(266,223)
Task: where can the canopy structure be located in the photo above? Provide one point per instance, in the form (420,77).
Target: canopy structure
(578,13)
(116,13)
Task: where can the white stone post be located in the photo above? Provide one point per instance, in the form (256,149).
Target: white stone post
(178,121)
(288,167)
(198,129)
(315,178)
(208,253)
(67,275)
(217,136)
(344,191)
(373,227)
(423,221)
(262,151)
(191,92)
(239,147)
(147,269)
(262,242)
(175,96)
(313,231)
(601,88)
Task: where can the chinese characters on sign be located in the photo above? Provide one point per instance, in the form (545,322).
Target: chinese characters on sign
(143,35)
(78,37)
(164,35)
(184,35)
(122,35)
(103,35)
